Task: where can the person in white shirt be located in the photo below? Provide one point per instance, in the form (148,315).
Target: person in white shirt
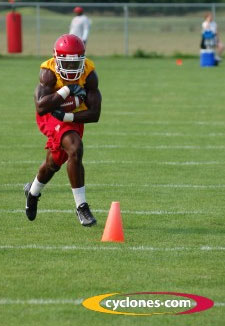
(211,26)
(80,24)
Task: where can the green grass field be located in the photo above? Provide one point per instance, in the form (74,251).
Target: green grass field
(159,150)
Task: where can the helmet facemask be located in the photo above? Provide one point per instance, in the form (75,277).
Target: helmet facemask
(70,67)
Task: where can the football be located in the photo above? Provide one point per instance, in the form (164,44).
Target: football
(71,103)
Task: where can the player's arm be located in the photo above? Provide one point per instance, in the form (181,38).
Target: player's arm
(46,99)
(93,101)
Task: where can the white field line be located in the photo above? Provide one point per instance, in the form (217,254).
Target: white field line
(130,134)
(4,301)
(71,211)
(20,146)
(197,123)
(219,304)
(116,185)
(42,301)
(154,134)
(149,122)
(160,147)
(18,122)
(152,122)
(121,247)
(192,163)
(138,147)
(185,163)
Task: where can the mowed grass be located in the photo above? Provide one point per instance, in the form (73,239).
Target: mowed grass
(159,150)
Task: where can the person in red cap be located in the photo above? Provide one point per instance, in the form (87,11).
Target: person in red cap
(78,10)
(80,24)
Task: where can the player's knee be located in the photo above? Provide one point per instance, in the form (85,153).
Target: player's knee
(52,166)
(76,152)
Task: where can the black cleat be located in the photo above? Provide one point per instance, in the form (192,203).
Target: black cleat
(85,216)
(31,202)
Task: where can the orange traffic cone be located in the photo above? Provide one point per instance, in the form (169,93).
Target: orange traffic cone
(179,62)
(113,228)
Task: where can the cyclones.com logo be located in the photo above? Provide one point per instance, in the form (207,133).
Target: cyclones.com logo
(148,303)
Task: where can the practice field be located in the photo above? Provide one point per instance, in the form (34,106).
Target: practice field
(159,149)
(163,34)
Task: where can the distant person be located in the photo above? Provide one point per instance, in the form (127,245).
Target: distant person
(80,25)
(210,36)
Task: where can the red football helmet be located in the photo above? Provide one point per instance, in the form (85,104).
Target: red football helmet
(69,54)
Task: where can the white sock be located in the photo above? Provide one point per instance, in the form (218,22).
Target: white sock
(79,195)
(36,187)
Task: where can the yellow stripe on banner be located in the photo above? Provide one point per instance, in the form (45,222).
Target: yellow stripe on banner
(93,303)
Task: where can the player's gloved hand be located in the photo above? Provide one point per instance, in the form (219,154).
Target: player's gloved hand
(62,116)
(58,114)
(77,90)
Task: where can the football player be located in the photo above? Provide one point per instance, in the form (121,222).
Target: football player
(80,24)
(68,73)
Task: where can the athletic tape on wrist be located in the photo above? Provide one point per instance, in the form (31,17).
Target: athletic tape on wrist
(68,117)
(64,92)
(77,102)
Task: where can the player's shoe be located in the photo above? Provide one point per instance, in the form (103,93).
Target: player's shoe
(31,202)
(85,216)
